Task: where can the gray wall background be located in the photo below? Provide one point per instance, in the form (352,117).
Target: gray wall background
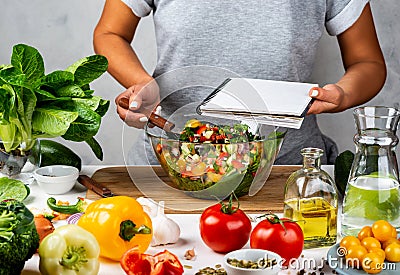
(62,32)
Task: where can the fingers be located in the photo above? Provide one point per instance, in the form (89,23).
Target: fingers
(136,103)
(135,99)
(158,110)
(329,93)
(327,99)
(132,119)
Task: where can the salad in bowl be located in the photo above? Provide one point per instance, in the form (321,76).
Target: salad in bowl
(210,161)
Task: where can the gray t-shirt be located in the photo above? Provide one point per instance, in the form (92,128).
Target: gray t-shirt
(266,39)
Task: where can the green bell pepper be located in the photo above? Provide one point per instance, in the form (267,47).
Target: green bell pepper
(71,250)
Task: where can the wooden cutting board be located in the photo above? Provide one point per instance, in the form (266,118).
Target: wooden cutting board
(152,182)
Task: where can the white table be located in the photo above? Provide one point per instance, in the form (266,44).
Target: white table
(190,238)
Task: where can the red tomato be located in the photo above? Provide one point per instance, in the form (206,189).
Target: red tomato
(281,236)
(164,263)
(223,228)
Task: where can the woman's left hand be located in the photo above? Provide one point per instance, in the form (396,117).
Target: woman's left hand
(329,99)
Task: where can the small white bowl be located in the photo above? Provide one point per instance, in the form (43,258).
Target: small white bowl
(56,179)
(252,255)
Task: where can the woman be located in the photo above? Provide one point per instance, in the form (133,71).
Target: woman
(255,39)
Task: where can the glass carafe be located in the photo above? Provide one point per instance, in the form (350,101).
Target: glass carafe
(311,200)
(372,191)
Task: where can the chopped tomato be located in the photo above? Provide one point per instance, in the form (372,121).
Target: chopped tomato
(187,174)
(222,170)
(201,129)
(223,155)
(159,148)
(237,164)
(210,169)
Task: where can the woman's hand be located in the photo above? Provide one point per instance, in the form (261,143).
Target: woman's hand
(141,99)
(328,99)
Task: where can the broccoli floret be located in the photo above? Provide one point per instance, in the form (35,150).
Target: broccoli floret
(19,239)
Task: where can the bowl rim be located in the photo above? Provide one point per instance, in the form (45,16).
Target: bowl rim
(278,266)
(282,133)
(74,172)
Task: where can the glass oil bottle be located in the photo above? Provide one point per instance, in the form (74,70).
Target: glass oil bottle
(311,200)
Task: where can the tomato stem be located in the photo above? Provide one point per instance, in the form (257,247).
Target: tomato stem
(274,219)
(228,208)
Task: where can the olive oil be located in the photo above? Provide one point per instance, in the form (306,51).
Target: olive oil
(311,200)
(316,217)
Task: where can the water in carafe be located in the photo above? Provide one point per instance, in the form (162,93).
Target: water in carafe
(372,192)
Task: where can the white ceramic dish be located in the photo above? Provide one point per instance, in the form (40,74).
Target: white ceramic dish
(56,179)
(254,255)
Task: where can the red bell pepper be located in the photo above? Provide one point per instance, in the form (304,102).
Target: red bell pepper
(167,264)
(164,263)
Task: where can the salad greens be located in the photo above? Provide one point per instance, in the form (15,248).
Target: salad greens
(38,105)
(196,131)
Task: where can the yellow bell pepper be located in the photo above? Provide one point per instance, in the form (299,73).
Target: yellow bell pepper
(70,250)
(118,223)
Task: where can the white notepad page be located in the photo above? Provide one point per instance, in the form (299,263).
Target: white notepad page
(259,96)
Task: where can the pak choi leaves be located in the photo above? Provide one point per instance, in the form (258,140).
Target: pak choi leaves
(34,104)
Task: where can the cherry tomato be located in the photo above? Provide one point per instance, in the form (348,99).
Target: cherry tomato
(382,230)
(378,251)
(372,263)
(394,232)
(390,241)
(392,252)
(224,228)
(349,241)
(281,236)
(355,255)
(366,231)
(370,242)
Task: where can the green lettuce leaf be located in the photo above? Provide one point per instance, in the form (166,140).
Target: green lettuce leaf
(28,61)
(88,69)
(70,91)
(12,76)
(56,80)
(52,122)
(96,148)
(85,126)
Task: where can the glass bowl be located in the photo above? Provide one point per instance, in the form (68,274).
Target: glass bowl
(210,171)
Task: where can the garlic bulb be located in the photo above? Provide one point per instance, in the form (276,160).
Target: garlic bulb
(165,230)
(149,206)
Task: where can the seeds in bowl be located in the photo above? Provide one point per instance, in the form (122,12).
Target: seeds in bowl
(262,263)
(217,270)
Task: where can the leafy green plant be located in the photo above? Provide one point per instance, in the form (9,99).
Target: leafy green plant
(38,105)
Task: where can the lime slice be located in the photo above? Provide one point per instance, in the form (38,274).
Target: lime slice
(13,189)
